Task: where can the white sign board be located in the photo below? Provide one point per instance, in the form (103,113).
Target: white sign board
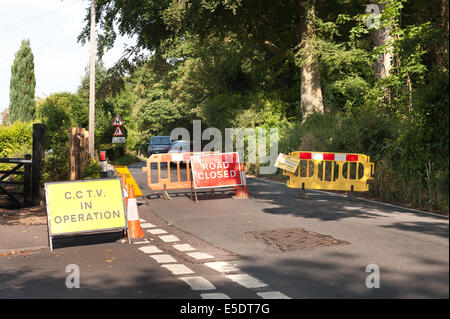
(118,139)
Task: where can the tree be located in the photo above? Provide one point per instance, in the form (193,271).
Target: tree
(22,106)
(280,27)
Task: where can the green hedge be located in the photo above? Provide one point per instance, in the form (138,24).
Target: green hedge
(16,140)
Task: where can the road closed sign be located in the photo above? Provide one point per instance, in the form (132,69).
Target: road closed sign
(216,170)
(85,206)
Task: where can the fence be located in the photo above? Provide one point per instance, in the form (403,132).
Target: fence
(331,171)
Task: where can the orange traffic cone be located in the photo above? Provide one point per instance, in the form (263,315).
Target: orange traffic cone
(134,223)
(242,191)
(125,189)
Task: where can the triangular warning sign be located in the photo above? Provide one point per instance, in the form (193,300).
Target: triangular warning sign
(118,132)
(117,121)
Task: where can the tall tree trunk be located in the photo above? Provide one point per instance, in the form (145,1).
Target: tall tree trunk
(384,62)
(310,89)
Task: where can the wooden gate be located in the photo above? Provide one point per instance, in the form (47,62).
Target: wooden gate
(5,180)
(31,172)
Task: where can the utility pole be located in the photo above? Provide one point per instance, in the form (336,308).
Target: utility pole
(92,83)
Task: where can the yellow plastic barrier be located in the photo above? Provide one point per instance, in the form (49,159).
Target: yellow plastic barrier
(331,171)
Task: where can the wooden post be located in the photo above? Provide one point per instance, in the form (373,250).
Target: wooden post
(78,149)
(72,154)
(27,182)
(84,150)
(37,157)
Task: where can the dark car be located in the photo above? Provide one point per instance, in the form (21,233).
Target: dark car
(159,144)
(181,147)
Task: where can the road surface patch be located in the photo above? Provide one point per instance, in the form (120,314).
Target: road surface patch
(294,239)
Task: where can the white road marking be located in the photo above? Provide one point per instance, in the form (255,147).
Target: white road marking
(157,231)
(247,281)
(169,238)
(183,247)
(221,266)
(214,296)
(150,249)
(147,225)
(178,269)
(161,259)
(199,256)
(272,295)
(142,220)
(198,283)
(141,242)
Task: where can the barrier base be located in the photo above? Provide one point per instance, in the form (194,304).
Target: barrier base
(303,195)
(351,196)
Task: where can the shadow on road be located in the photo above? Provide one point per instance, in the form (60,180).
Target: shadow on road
(332,208)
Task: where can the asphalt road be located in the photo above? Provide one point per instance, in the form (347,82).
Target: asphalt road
(410,248)
(206,250)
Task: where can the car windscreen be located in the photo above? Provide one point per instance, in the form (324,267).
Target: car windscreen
(181,146)
(160,140)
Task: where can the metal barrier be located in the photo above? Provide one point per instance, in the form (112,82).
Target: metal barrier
(331,171)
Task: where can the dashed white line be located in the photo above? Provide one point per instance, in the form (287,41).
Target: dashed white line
(183,247)
(221,266)
(157,231)
(150,249)
(161,259)
(147,225)
(199,255)
(169,238)
(272,295)
(214,295)
(141,242)
(198,283)
(247,281)
(178,269)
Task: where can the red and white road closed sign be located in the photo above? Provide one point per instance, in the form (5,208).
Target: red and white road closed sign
(216,170)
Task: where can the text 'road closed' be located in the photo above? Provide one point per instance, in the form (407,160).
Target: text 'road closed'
(216,170)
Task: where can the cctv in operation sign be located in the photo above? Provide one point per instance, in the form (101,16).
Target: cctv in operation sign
(216,170)
(85,206)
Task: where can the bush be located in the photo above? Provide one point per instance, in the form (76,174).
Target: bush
(16,140)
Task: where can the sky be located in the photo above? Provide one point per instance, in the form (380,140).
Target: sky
(52,26)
